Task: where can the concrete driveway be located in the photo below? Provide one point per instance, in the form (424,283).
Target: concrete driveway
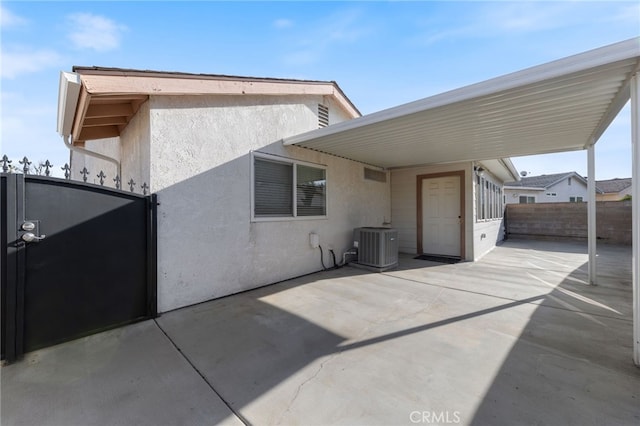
(516,338)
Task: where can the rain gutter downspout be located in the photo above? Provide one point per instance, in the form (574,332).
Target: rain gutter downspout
(84,151)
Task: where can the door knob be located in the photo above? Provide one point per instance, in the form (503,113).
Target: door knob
(30,237)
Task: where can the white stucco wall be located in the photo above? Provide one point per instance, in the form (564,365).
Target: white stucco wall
(404,204)
(200,156)
(109,147)
(135,148)
(564,191)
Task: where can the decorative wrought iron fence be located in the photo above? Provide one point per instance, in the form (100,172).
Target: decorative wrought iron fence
(44,168)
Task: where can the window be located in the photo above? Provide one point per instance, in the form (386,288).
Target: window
(569,181)
(310,191)
(575,199)
(489,200)
(285,188)
(552,194)
(525,199)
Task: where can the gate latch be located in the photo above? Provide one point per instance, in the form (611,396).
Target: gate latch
(29,236)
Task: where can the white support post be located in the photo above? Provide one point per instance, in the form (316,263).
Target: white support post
(591,211)
(635,215)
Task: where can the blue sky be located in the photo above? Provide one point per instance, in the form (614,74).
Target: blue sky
(382,54)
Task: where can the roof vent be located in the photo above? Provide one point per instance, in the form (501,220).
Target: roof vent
(323,116)
(377,175)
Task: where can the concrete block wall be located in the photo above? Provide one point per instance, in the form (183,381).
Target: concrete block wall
(568,221)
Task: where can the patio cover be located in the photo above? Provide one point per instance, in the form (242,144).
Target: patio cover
(563,105)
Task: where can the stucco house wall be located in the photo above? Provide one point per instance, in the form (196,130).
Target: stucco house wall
(201,164)
(78,160)
(564,191)
(512,196)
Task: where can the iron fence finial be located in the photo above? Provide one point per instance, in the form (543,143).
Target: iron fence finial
(26,163)
(5,163)
(67,171)
(101,176)
(131,183)
(117,181)
(47,165)
(84,172)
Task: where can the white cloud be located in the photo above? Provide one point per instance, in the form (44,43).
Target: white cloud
(282,23)
(95,32)
(17,62)
(628,13)
(503,19)
(340,28)
(9,19)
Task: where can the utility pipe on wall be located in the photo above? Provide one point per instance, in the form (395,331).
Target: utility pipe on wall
(84,151)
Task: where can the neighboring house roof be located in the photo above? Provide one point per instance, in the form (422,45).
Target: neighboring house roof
(107,98)
(543,181)
(613,185)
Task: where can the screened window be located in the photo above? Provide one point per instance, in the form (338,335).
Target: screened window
(489,201)
(524,199)
(283,189)
(273,188)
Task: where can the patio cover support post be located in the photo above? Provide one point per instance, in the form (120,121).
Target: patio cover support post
(591,211)
(635,215)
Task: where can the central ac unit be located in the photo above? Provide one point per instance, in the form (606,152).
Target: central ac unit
(377,247)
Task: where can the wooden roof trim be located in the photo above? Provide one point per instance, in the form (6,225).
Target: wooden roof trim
(81,110)
(144,85)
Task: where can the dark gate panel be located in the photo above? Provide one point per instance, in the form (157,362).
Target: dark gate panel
(95,268)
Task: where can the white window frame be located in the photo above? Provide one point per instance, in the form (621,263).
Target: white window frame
(489,200)
(294,163)
(528,196)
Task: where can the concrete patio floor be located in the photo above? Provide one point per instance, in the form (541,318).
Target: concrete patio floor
(515,338)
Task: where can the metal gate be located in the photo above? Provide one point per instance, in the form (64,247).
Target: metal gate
(75,259)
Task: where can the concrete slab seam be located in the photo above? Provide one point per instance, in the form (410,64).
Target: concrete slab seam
(235,413)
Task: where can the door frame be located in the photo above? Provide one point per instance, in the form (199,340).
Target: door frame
(419,179)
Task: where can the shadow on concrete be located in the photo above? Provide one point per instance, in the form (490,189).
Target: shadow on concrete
(572,363)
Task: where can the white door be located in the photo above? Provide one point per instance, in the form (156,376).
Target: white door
(441,215)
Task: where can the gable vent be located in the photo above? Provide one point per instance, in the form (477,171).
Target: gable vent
(323,115)
(377,175)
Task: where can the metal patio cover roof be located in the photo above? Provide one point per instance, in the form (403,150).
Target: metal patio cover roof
(559,106)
